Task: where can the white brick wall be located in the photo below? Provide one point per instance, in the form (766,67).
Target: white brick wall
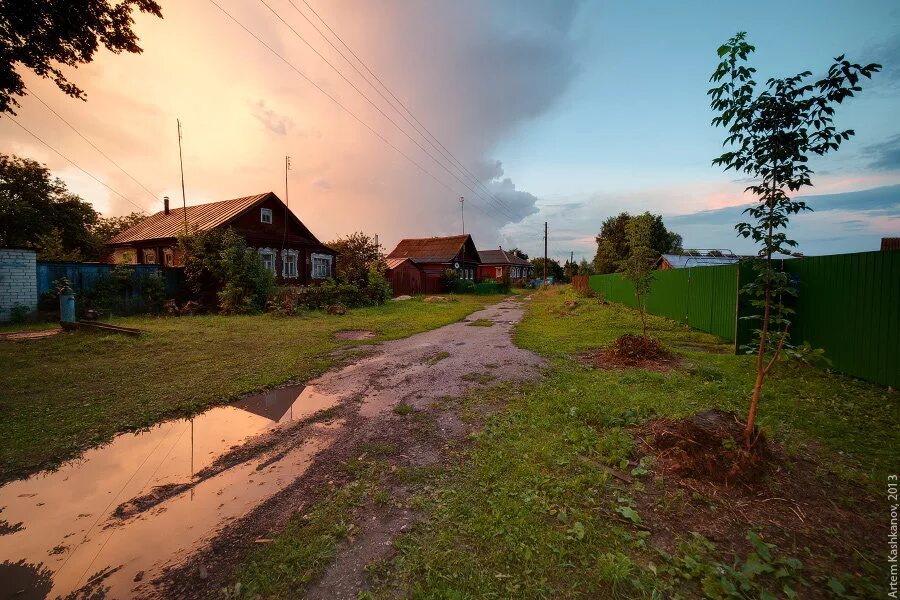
(18,280)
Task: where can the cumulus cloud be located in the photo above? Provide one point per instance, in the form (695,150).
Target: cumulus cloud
(471,72)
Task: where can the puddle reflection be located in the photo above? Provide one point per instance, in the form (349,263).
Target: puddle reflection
(64,514)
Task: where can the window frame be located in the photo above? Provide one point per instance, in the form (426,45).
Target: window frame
(327,259)
(294,255)
(270,252)
(151,252)
(263,213)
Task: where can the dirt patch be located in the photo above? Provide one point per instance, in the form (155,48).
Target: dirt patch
(801,505)
(354,334)
(632,352)
(397,373)
(709,446)
(24,336)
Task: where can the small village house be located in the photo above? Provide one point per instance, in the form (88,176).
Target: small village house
(285,245)
(499,264)
(416,266)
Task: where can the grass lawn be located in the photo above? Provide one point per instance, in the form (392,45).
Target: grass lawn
(524,514)
(527,511)
(62,394)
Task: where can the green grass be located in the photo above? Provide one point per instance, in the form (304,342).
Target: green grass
(481,323)
(62,394)
(526,513)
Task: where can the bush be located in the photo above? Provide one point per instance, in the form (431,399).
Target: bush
(154,292)
(379,289)
(221,270)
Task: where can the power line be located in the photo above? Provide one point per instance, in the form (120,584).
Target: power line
(376,107)
(440,146)
(336,101)
(74,164)
(94,146)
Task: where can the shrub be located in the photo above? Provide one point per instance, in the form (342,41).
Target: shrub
(379,289)
(221,270)
(18,313)
(331,292)
(154,292)
(283,301)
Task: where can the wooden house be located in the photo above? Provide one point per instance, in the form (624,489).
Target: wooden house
(416,266)
(285,245)
(499,264)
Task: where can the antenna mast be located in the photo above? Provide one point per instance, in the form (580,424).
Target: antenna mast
(181,163)
(462,213)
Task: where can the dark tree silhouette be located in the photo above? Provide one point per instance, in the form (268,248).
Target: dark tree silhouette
(45,35)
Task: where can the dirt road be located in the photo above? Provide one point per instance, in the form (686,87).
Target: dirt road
(180,535)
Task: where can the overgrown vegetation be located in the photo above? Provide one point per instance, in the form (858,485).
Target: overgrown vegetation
(771,135)
(224,273)
(82,388)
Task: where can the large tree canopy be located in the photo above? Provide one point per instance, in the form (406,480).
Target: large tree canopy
(45,35)
(38,211)
(358,254)
(612,241)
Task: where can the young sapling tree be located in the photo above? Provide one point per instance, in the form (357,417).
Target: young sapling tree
(771,134)
(638,264)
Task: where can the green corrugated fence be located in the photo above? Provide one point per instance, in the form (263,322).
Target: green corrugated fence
(848,305)
(703,297)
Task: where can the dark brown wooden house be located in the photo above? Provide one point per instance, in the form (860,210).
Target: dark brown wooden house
(416,266)
(283,242)
(499,264)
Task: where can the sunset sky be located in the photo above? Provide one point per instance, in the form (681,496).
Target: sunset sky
(568,112)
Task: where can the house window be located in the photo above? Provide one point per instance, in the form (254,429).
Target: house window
(267,256)
(168,257)
(265,215)
(321,266)
(149,256)
(289,263)
(498,272)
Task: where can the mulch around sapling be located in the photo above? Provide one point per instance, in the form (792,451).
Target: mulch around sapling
(632,352)
(703,480)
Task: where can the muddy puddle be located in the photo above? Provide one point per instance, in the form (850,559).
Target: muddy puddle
(62,534)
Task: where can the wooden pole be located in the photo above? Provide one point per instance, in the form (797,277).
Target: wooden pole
(545,252)
(181,163)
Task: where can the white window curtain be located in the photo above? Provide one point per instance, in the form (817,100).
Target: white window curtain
(321,266)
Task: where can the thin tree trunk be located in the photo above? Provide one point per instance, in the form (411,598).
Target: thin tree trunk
(761,369)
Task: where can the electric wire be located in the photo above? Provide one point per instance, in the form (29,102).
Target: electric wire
(379,109)
(338,103)
(77,166)
(94,146)
(418,126)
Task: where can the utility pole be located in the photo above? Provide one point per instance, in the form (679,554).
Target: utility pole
(287,167)
(545,252)
(181,162)
(287,202)
(462,213)
(572,262)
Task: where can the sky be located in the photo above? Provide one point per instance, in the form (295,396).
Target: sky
(566,112)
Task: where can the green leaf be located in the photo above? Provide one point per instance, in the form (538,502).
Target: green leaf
(629,513)
(836,586)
